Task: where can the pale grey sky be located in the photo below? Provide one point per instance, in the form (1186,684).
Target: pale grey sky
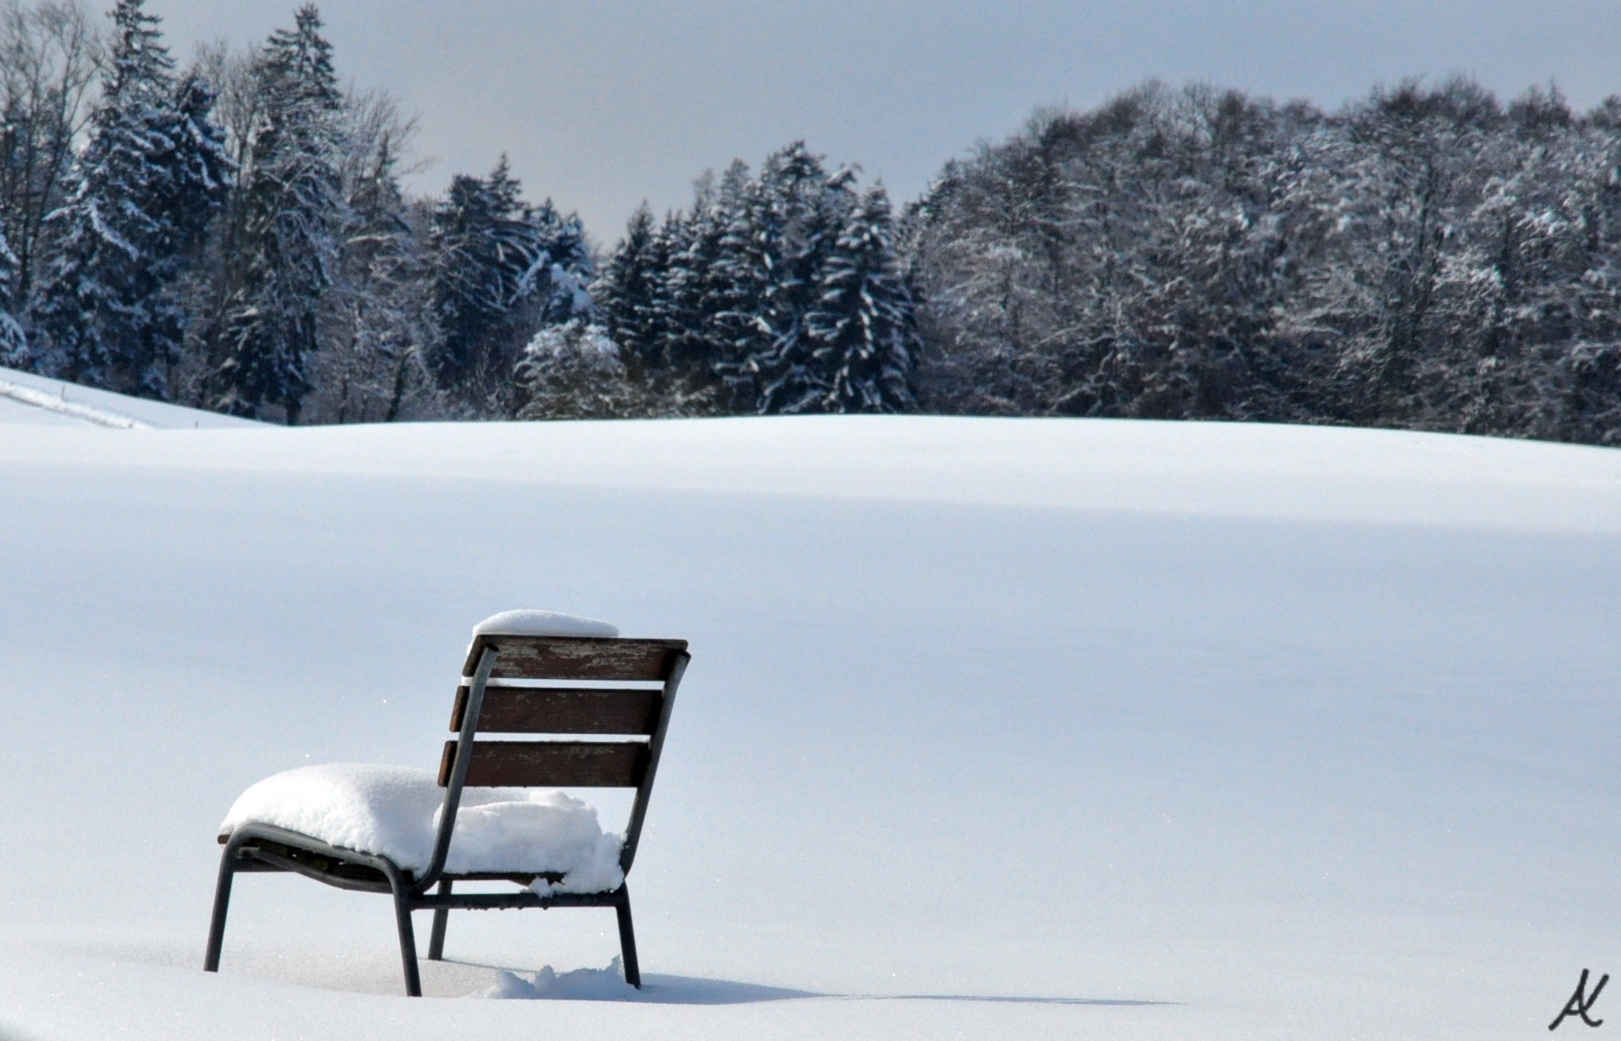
(600,105)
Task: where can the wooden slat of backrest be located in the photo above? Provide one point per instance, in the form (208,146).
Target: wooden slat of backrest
(550,764)
(563,710)
(576,658)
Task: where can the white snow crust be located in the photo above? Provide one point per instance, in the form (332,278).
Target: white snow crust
(542,623)
(393,811)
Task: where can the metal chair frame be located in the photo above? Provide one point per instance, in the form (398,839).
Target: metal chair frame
(261,847)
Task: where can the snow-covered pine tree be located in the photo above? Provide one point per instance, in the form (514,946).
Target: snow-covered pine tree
(292,209)
(573,370)
(664,316)
(560,280)
(13,344)
(687,303)
(501,270)
(627,288)
(812,206)
(731,282)
(202,169)
(861,332)
(476,271)
(151,176)
(742,280)
(656,297)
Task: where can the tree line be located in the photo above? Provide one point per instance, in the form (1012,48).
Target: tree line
(1426,258)
(235,235)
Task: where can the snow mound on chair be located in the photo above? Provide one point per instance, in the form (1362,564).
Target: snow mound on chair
(543,623)
(393,811)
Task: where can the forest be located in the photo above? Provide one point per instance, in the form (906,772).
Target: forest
(235,234)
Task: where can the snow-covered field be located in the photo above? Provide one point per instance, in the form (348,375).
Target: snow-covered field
(994,728)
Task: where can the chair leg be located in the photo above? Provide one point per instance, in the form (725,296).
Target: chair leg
(441,915)
(627,939)
(408,940)
(222,903)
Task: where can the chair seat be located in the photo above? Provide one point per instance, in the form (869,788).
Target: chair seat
(393,811)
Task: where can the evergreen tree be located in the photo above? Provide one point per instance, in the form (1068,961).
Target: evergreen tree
(741,279)
(292,210)
(690,301)
(664,314)
(203,171)
(477,269)
(803,207)
(502,270)
(152,175)
(626,292)
(861,333)
(13,344)
(807,206)
(560,283)
(730,287)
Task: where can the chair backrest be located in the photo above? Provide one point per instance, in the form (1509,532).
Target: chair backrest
(532,687)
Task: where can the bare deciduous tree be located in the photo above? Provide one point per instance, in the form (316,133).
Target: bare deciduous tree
(50,61)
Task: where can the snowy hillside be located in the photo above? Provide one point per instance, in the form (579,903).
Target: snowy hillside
(39,400)
(994,728)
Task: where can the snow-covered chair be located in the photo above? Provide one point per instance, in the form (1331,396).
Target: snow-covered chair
(395,830)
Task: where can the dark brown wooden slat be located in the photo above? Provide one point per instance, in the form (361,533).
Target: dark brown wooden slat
(550,764)
(576,658)
(563,710)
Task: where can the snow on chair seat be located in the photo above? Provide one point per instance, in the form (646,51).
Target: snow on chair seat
(400,831)
(393,812)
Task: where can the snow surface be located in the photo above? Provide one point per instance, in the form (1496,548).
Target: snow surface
(993,729)
(59,406)
(27,398)
(393,811)
(542,623)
